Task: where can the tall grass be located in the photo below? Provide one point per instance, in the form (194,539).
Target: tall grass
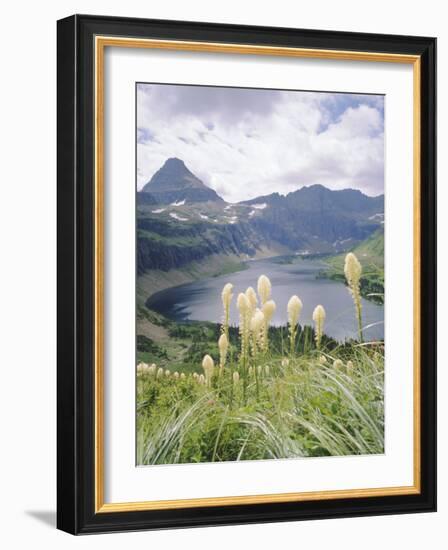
(303,407)
(262,402)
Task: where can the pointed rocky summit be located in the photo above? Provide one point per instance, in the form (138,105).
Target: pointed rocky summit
(174,182)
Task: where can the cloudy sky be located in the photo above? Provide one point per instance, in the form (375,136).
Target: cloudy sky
(247,142)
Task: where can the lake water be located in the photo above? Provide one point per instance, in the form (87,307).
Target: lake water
(201,300)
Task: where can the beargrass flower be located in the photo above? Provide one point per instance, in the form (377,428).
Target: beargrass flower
(209,366)
(353,270)
(338,364)
(256,327)
(235,377)
(242,303)
(257,321)
(294,309)
(268,310)
(226,294)
(182,376)
(319,318)
(264,289)
(223,344)
(226,297)
(141,368)
(160,372)
(252,298)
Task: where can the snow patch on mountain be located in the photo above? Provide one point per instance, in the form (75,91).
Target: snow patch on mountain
(179,218)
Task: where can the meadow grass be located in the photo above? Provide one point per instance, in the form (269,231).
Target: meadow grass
(289,408)
(254,396)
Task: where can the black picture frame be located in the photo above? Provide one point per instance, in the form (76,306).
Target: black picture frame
(76,272)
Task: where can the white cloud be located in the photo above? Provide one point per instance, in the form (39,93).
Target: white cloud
(246,143)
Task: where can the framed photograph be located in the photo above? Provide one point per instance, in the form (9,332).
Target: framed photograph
(246,274)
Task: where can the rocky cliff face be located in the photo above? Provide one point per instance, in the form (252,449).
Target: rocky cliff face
(165,245)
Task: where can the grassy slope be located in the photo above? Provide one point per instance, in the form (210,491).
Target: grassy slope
(371,255)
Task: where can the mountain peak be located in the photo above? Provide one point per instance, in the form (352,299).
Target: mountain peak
(174,182)
(174,167)
(174,162)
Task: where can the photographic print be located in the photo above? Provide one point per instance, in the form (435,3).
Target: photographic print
(260,262)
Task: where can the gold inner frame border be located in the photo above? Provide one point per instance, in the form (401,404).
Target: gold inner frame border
(100,43)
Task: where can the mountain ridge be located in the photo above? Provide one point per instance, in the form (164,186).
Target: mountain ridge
(174,180)
(315,191)
(181,220)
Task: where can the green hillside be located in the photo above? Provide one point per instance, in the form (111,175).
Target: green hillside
(371,255)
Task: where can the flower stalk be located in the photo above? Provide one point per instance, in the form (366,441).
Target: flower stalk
(319,319)
(353,270)
(223,345)
(264,288)
(294,309)
(226,297)
(209,366)
(268,310)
